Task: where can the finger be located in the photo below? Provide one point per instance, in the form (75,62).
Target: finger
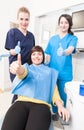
(18,43)
(12,69)
(19,59)
(68,117)
(60,112)
(63,116)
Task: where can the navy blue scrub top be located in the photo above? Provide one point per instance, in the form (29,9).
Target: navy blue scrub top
(26,43)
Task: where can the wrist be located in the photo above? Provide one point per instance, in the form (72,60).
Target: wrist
(23,73)
(17,49)
(59,103)
(12,52)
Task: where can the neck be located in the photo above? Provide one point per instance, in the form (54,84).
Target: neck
(62,34)
(24,31)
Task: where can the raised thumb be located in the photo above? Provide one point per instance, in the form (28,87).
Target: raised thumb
(19,59)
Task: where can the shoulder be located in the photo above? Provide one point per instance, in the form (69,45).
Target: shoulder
(73,36)
(12,31)
(51,69)
(30,34)
(54,70)
(53,39)
(26,65)
(54,73)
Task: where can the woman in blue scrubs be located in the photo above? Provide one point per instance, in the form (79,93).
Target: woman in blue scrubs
(59,53)
(22,35)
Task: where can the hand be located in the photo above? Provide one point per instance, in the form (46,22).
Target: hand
(46,62)
(47,59)
(16,66)
(64,113)
(17,48)
(60,51)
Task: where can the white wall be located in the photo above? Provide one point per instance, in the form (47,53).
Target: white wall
(49,23)
(8,10)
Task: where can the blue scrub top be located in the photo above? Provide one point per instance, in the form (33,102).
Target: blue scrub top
(26,43)
(61,63)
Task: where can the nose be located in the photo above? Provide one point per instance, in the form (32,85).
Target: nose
(36,56)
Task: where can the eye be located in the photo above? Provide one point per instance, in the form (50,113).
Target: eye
(40,54)
(33,54)
(21,19)
(26,19)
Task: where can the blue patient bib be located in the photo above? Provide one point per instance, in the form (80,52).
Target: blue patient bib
(39,83)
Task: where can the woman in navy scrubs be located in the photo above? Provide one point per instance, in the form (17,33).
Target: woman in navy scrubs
(22,35)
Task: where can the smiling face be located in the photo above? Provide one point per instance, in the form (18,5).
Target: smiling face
(37,57)
(23,20)
(64,24)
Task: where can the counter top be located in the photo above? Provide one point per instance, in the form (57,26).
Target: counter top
(80,50)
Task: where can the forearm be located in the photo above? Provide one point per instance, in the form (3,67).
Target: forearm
(69,50)
(59,104)
(56,97)
(63,112)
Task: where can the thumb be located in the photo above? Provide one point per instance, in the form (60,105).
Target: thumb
(19,59)
(18,43)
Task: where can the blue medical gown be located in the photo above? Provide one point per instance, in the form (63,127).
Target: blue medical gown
(39,83)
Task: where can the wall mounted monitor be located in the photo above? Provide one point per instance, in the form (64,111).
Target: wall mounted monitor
(78,20)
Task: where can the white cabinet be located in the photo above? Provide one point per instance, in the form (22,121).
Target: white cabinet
(78,66)
(75,104)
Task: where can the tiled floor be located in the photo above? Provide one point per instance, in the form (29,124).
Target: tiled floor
(58,126)
(5,102)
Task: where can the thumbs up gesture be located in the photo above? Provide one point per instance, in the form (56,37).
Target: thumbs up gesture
(17,48)
(16,66)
